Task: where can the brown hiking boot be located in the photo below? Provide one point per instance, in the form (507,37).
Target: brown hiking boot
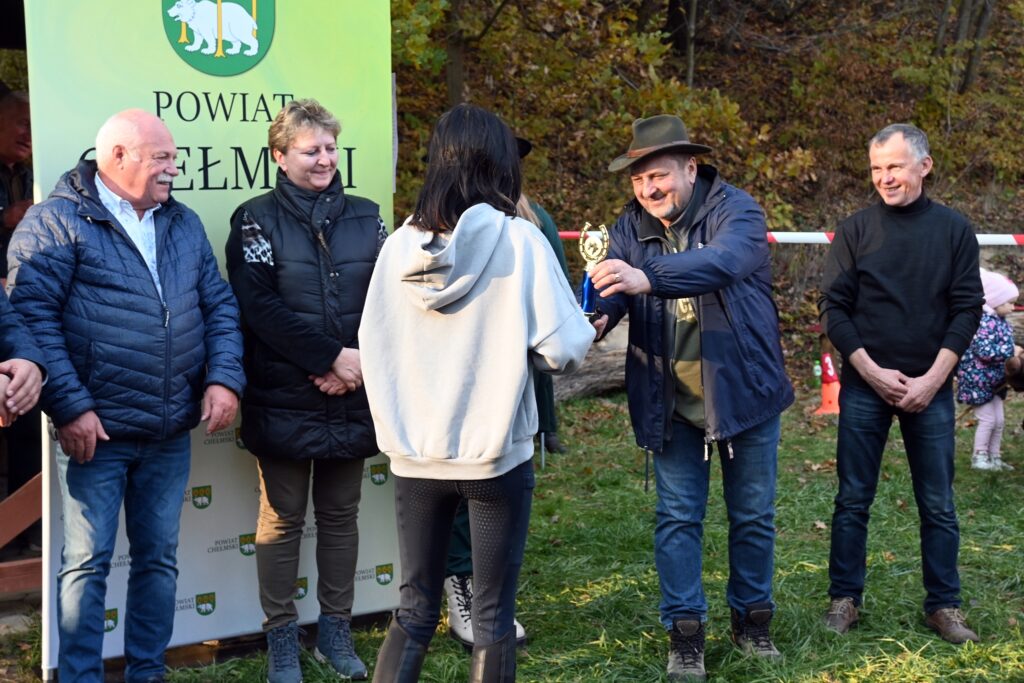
(751,634)
(686,655)
(951,625)
(842,615)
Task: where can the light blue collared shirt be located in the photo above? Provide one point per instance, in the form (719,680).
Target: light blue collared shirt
(142,231)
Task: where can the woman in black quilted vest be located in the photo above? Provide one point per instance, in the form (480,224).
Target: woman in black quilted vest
(299,259)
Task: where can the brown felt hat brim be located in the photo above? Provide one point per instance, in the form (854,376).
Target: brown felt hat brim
(632,157)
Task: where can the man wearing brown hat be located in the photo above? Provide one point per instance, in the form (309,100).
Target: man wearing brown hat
(689,263)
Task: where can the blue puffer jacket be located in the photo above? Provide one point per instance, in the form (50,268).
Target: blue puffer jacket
(727,267)
(111,344)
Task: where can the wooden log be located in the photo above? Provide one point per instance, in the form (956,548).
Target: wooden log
(21,576)
(603,371)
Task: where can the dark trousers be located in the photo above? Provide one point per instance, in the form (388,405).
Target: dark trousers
(499,514)
(284,497)
(25,459)
(460,551)
(864,422)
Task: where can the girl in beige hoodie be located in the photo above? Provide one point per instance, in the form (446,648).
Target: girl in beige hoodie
(466,301)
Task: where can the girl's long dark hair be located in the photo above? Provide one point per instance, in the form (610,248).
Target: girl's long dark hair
(473,159)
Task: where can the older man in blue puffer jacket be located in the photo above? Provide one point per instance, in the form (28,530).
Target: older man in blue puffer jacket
(119,285)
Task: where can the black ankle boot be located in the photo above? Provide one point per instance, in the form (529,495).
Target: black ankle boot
(494,663)
(400,658)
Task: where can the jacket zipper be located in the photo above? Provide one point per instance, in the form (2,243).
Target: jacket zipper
(327,251)
(167,323)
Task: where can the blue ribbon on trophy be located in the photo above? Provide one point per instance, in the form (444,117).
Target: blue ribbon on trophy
(593,248)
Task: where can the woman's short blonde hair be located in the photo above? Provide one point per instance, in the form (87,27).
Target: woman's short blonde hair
(300,115)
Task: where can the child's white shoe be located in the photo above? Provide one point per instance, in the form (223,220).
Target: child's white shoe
(997,463)
(981,461)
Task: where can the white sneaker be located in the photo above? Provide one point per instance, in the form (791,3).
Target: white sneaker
(981,461)
(459,591)
(997,463)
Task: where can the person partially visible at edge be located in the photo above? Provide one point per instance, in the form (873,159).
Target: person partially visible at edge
(458,582)
(22,366)
(901,300)
(117,282)
(15,166)
(24,436)
(466,298)
(299,259)
(689,262)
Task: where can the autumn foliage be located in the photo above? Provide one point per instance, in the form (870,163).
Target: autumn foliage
(786,91)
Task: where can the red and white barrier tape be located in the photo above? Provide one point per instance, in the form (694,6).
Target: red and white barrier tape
(1016,240)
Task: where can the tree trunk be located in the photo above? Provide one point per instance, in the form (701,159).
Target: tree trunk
(940,34)
(963,26)
(647,10)
(603,371)
(675,27)
(455,70)
(974,61)
(691,34)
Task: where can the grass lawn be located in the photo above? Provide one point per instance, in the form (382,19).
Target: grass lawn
(589,592)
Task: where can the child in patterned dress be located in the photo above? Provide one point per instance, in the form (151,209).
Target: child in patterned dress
(981,377)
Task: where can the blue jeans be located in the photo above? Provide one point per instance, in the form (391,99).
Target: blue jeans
(748,482)
(864,422)
(150,478)
(499,516)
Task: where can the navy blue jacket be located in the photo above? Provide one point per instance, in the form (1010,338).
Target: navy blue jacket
(111,343)
(727,268)
(15,339)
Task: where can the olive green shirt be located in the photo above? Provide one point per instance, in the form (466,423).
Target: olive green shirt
(685,329)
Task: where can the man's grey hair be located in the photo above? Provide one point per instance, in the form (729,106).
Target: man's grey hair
(915,137)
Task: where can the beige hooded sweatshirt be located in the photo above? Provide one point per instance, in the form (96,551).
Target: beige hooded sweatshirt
(451,327)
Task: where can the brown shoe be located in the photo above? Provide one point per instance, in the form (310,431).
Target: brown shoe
(951,625)
(842,615)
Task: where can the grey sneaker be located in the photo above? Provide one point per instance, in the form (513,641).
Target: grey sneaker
(283,654)
(750,632)
(996,462)
(686,656)
(334,645)
(980,460)
(842,615)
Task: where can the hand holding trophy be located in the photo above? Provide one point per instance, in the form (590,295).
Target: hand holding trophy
(593,247)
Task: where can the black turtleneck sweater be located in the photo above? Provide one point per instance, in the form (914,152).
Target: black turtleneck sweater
(902,282)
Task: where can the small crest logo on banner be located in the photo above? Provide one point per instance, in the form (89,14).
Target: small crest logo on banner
(109,620)
(238,439)
(206,603)
(202,496)
(385,573)
(379,474)
(247,544)
(219,37)
(301,587)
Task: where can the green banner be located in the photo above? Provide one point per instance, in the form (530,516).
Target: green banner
(216,72)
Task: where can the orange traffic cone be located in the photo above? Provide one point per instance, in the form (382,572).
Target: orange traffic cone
(829,399)
(829,387)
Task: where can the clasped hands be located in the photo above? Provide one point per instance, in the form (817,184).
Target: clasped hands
(909,394)
(346,374)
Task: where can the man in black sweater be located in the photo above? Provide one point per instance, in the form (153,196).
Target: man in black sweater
(902,299)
